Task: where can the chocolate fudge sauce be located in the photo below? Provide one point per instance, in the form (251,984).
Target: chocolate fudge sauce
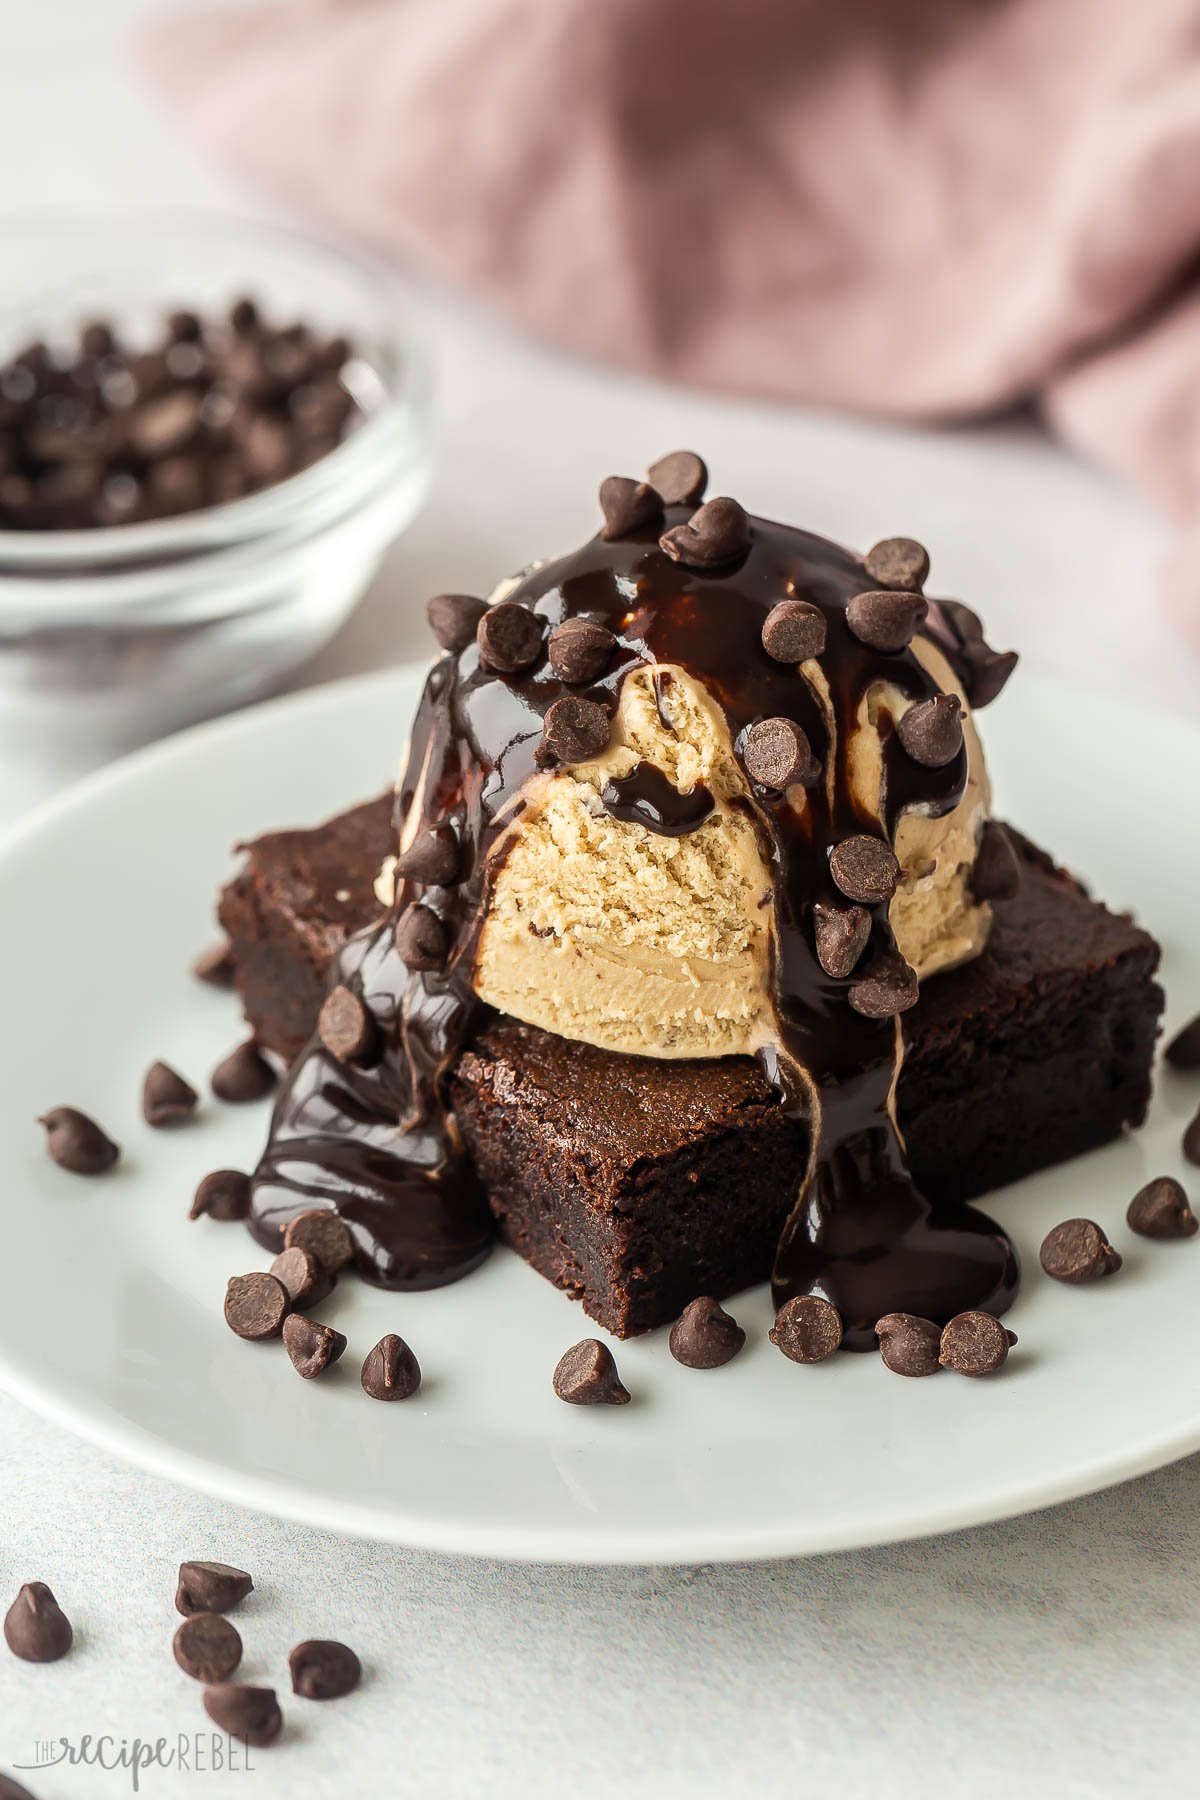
(376,1141)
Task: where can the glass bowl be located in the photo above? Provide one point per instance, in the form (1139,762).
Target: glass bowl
(112,635)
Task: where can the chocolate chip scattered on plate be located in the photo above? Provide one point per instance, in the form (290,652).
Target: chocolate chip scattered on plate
(908,1344)
(244,1075)
(167,1099)
(323,1669)
(1191,1141)
(390,1371)
(586,1375)
(306,1279)
(705,1336)
(1161,1210)
(311,1347)
(207,1647)
(256,1306)
(35,1626)
(807,1329)
(210,1587)
(974,1343)
(1077,1251)
(250,1714)
(225,1195)
(77,1143)
(324,1234)
(1183,1051)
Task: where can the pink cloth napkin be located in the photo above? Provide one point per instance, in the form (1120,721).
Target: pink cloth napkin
(925,208)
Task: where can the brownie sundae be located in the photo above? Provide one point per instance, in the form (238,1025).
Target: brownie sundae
(689,953)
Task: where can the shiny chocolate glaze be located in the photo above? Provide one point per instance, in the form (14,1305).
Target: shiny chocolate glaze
(377,1141)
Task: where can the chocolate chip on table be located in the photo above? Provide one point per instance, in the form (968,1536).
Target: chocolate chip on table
(865,869)
(167,1099)
(77,1142)
(1161,1210)
(207,1647)
(717,533)
(1183,1051)
(323,1669)
(580,650)
(12,1790)
(974,1343)
(897,562)
(509,637)
(931,732)
(216,966)
(794,631)
(324,1234)
(885,619)
(303,1278)
(1191,1141)
(807,1329)
(256,1306)
(705,1336)
(777,754)
(840,934)
(996,873)
(311,1346)
(454,619)
(586,1375)
(573,731)
(249,1713)
(390,1371)
(434,858)
(680,478)
(420,939)
(627,506)
(887,986)
(224,1195)
(244,1075)
(35,1626)
(210,1587)
(909,1345)
(1077,1251)
(345,1026)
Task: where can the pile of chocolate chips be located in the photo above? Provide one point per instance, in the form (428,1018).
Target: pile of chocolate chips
(108,434)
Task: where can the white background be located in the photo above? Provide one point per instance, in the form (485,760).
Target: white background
(1053,1655)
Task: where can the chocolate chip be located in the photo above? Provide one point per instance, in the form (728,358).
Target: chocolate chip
(35,1626)
(184,326)
(982,670)
(243,316)
(216,966)
(345,1026)
(996,873)
(931,732)
(454,619)
(1191,1141)
(586,1375)
(1077,1251)
(865,869)
(1183,1051)
(420,939)
(244,1075)
(225,1195)
(794,631)
(509,637)
(207,1647)
(434,857)
(12,1790)
(305,1280)
(77,1142)
(167,1099)
(704,1336)
(579,650)
(323,1669)
(627,506)
(897,562)
(888,986)
(974,1343)
(886,620)
(255,1306)
(716,534)
(807,1329)
(573,730)
(164,426)
(679,478)
(777,754)
(1161,1210)
(841,934)
(321,1232)
(312,1347)
(391,1371)
(211,1587)
(909,1345)
(249,1713)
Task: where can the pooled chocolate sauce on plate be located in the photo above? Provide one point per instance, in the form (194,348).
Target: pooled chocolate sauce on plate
(374,1138)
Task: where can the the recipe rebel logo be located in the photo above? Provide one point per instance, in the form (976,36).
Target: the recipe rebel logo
(195,1753)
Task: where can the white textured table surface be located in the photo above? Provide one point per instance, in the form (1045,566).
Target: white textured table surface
(1050,1655)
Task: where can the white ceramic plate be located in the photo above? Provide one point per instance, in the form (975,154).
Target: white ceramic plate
(111,1316)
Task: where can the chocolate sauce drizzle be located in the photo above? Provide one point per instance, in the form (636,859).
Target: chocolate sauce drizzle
(377,1141)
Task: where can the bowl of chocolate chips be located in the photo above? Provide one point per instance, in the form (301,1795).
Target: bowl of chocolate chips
(211,432)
